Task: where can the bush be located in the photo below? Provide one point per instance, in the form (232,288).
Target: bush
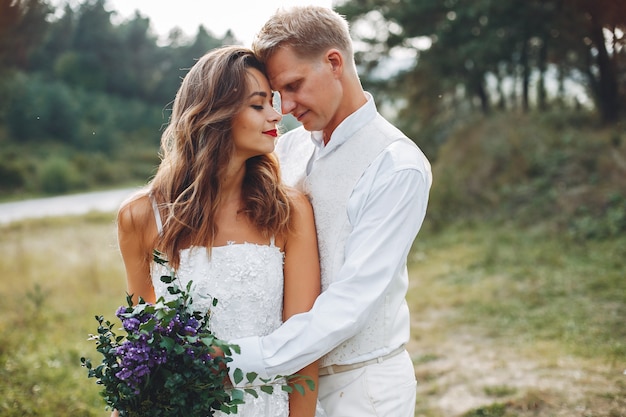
(523,169)
(12,176)
(40,110)
(58,176)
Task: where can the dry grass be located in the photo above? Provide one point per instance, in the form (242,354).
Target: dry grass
(56,276)
(480,346)
(505,322)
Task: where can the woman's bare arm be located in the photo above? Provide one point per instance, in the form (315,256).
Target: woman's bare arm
(302,286)
(134,230)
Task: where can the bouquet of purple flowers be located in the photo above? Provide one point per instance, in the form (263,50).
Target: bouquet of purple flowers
(164,364)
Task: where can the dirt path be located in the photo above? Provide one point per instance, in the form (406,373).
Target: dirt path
(73,204)
(465,371)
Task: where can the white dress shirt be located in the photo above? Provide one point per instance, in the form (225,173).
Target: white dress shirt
(386,210)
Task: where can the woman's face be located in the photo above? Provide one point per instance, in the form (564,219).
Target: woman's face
(254,127)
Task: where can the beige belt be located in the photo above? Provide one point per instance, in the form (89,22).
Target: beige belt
(335,369)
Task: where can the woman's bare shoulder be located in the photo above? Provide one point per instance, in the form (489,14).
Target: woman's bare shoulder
(299,200)
(136,212)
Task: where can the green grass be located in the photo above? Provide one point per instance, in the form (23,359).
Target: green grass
(527,286)
(56,276)
(529,304)
(523,294)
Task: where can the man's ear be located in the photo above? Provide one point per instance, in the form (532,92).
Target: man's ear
(335,59)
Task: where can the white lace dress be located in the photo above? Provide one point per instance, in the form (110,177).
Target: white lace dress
(247,281)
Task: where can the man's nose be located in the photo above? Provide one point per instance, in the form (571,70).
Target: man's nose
(287,105)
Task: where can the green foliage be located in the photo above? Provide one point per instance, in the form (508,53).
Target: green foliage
(529,171)
(468,53)
(89,92)
(165,362)
(12,176)
(530,290)
(500,391)
(80,71)
(493,410)
(62,139)
(529,287)
(510,313)
(22,26)
(58,176)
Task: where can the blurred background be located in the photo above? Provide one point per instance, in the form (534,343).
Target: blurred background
(518,277)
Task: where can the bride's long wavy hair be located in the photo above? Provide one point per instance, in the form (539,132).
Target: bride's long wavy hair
(196,148)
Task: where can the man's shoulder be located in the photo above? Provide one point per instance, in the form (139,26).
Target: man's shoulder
(401,151)
(405,153)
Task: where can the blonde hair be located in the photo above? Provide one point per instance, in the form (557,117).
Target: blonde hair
(308,30)
(196,148)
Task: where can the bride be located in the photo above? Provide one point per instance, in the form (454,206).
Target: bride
(219,213)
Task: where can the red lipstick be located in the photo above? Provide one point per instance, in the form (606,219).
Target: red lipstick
(272,132)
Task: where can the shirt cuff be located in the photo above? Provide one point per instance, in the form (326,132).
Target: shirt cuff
(249,360)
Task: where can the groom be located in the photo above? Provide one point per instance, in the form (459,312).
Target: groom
(369,186)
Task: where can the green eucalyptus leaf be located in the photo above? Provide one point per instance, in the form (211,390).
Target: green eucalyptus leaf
(251,376)
(167,342)
(180,379)
(237,394)
(299,388)
(167,279)
(158,257)
(238,376)
(149,326)
(310,383)
(252,392)
(268,389)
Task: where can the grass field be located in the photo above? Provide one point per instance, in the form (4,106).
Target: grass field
(506,322)
(510,322)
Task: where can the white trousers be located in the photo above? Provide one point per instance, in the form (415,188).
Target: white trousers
(385,389)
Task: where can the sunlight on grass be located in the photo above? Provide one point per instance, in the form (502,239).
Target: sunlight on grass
(496,291)
(57,275)
(527,287)
(511,307)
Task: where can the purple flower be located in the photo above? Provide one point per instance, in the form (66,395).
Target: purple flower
(137,359)
(124,374)
(190,331)
(120,311)
(131,324)
(162,351)
(192,322)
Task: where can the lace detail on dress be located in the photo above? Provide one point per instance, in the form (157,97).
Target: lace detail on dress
(247,281)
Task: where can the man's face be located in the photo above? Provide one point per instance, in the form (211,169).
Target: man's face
(309,88)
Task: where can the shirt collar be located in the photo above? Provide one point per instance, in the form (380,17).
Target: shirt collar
(348,127)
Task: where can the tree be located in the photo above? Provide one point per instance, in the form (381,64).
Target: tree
(22,26)
(137,58)
(473,41)
(601,18)
(96,43)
